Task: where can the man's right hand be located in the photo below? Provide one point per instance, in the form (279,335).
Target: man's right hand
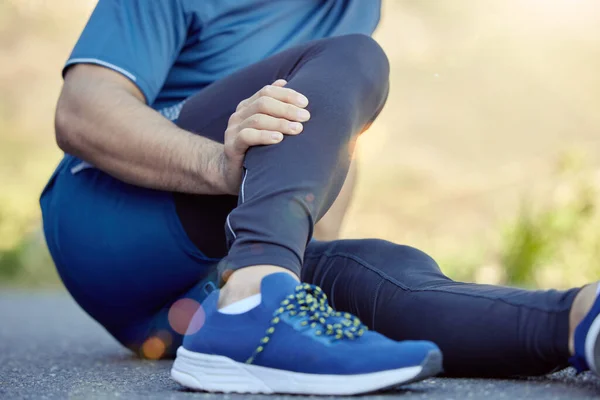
(262,119)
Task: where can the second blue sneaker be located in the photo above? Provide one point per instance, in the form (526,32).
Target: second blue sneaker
(294,343)
(587,341)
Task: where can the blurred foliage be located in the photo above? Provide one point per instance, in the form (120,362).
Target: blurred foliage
(550,237)
(28,263)
(552,241)
(472,159)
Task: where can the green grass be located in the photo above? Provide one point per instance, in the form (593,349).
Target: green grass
(552,241)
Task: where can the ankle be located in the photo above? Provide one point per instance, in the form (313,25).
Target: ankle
(245,282)
(581,306)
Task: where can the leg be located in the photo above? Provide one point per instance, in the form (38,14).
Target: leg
(290,186)
(286,189)
(482,330)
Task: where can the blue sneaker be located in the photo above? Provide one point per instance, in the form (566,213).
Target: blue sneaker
(294,343)
(587,341)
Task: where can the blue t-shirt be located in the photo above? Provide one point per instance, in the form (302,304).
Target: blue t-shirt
(171,49)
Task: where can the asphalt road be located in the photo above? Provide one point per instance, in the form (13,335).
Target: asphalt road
(49,349)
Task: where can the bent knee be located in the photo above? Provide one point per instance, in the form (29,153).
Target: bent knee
(363,55)
(361,47)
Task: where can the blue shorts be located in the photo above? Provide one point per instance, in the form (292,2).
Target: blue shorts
(115,245)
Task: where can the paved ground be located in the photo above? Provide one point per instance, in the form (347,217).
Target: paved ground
(49,349)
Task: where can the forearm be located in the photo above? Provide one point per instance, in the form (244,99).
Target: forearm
(106,126)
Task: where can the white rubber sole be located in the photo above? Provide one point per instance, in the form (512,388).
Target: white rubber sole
(213,373)
(592,346)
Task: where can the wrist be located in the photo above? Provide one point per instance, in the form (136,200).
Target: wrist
(208,166)
(218,168)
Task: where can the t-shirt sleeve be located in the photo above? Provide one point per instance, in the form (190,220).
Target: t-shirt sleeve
(140,39)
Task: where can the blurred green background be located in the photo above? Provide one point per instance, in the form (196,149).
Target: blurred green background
(487,155)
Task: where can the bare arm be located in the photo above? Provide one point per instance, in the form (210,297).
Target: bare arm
(102,118)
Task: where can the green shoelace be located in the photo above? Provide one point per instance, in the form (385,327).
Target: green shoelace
(309,303)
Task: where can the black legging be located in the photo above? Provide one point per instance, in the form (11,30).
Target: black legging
(397,290)
(289,186)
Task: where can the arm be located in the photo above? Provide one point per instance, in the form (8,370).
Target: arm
(102,118)
(102,115)
(119,64)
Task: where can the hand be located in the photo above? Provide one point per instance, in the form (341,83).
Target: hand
(262,119)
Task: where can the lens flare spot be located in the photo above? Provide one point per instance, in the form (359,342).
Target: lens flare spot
(166,337)
(181,313)
(310,197)
(226,274)
(197,322)
(153,348)
(257,248)
(352,147)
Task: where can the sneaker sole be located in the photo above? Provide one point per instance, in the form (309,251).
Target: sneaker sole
(213,373)
(592,346)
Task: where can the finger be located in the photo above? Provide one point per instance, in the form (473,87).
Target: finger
(269,123)
(277,91)
(274,108)
(244,103)
(249,137)
(285,95)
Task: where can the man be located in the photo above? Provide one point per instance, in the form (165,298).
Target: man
(212,136)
